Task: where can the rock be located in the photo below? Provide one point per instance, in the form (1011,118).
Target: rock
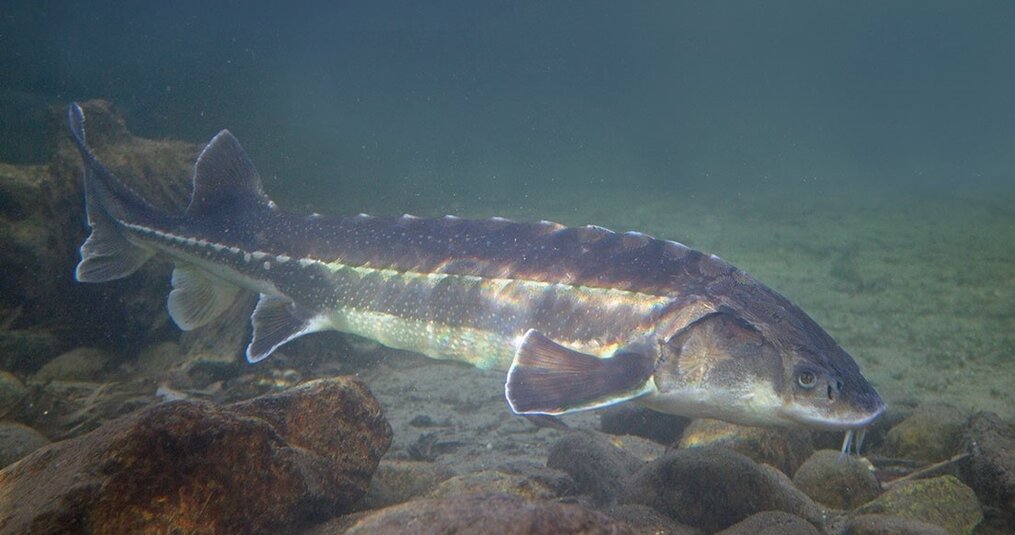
(643,449)
(628,419)
(337,417)
(493,481)
(598,468)
(990,471)
(785,449)
(477,513)
(213,352)
(558,481)
(42,225)
(646,520)
(35,233)
(11,393)
(26,349)
(875,524)
(714,488)
(268,465)
(160,171)
(932,433)
(18,440)
(158,359)
(941,501)
(838,483)
(64,409)
(79,364)
(771,523)
(397,481)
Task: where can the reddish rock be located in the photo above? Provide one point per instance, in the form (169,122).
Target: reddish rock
(273,464)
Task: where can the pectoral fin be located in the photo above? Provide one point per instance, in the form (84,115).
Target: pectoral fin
(548,378)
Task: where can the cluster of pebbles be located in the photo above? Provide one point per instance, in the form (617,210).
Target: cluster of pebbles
(434,446)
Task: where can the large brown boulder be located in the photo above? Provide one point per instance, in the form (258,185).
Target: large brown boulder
(269,465)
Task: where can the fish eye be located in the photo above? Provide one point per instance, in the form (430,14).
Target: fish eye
(807,379)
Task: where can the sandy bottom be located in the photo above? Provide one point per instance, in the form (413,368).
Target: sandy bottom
(456,416)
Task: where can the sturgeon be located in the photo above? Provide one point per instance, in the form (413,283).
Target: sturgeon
(579,317)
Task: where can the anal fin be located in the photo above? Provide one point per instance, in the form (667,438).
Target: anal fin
(198,296)
(548,378)
(277,320)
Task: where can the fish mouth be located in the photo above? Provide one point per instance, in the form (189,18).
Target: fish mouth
(813,418)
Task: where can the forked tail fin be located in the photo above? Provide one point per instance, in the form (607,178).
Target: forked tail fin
(107,254)
(225,183)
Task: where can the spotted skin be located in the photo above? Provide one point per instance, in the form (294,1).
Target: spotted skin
(463,307)
(706,339)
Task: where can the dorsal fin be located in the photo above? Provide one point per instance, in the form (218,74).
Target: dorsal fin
(225,176)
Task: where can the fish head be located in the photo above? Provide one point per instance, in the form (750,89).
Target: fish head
(827,391)
(821,386)
(764,370)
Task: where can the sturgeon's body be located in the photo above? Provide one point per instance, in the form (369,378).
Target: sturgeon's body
(583,317)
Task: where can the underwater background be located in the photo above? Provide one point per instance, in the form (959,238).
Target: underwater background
(857,157)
